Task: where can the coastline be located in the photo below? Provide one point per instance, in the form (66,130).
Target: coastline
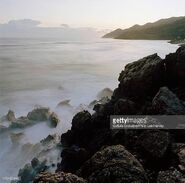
(75,154)
(96,153)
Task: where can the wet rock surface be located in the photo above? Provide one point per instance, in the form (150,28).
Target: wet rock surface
(11,116)
(28,173)
(54,120)
(37,115)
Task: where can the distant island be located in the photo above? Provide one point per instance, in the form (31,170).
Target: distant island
(165,29)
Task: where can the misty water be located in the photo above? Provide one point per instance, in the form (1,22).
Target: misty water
(44,72)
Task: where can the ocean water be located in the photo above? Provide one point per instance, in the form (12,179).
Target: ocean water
(44,72)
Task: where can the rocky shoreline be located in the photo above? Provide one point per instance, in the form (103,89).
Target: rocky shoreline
(93,153)
(97,154)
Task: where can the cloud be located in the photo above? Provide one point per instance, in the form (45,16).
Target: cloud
(24,23)
(30,28)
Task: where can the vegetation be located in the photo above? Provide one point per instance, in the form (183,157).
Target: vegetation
(164,29)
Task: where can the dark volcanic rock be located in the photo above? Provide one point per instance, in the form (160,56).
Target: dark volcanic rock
(169,176)
(175,67)
(166,102)
(143,90)
(142,78)
(28,173)
(72,158)
(155,143)
(124,106)
(113,164)
(59,177)
(81,121)
(81,130)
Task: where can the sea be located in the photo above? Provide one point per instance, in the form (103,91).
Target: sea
(45,72)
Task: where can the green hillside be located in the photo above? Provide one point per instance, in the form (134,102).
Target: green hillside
(164,29)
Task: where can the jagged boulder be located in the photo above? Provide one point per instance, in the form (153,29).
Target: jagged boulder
(124,107)
(51,140)
(81,130)
(11,116)
(39,114)
(113,164)
(59,177)
(21,122)
(44,114)
(72,158)
(154,142)
(64,103)
(166,102)
(54,120)
(29,172)
(102,101)
(175,67)
(106,92)
(81,121)
(142,78)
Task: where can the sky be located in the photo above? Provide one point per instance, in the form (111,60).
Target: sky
(100,14)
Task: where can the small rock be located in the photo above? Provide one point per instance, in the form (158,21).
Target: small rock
(29,172)
(102,101)
(21,122)
(39,114)
(11,116)
(54,120)
(106,92)
(35,162)
(64,103)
